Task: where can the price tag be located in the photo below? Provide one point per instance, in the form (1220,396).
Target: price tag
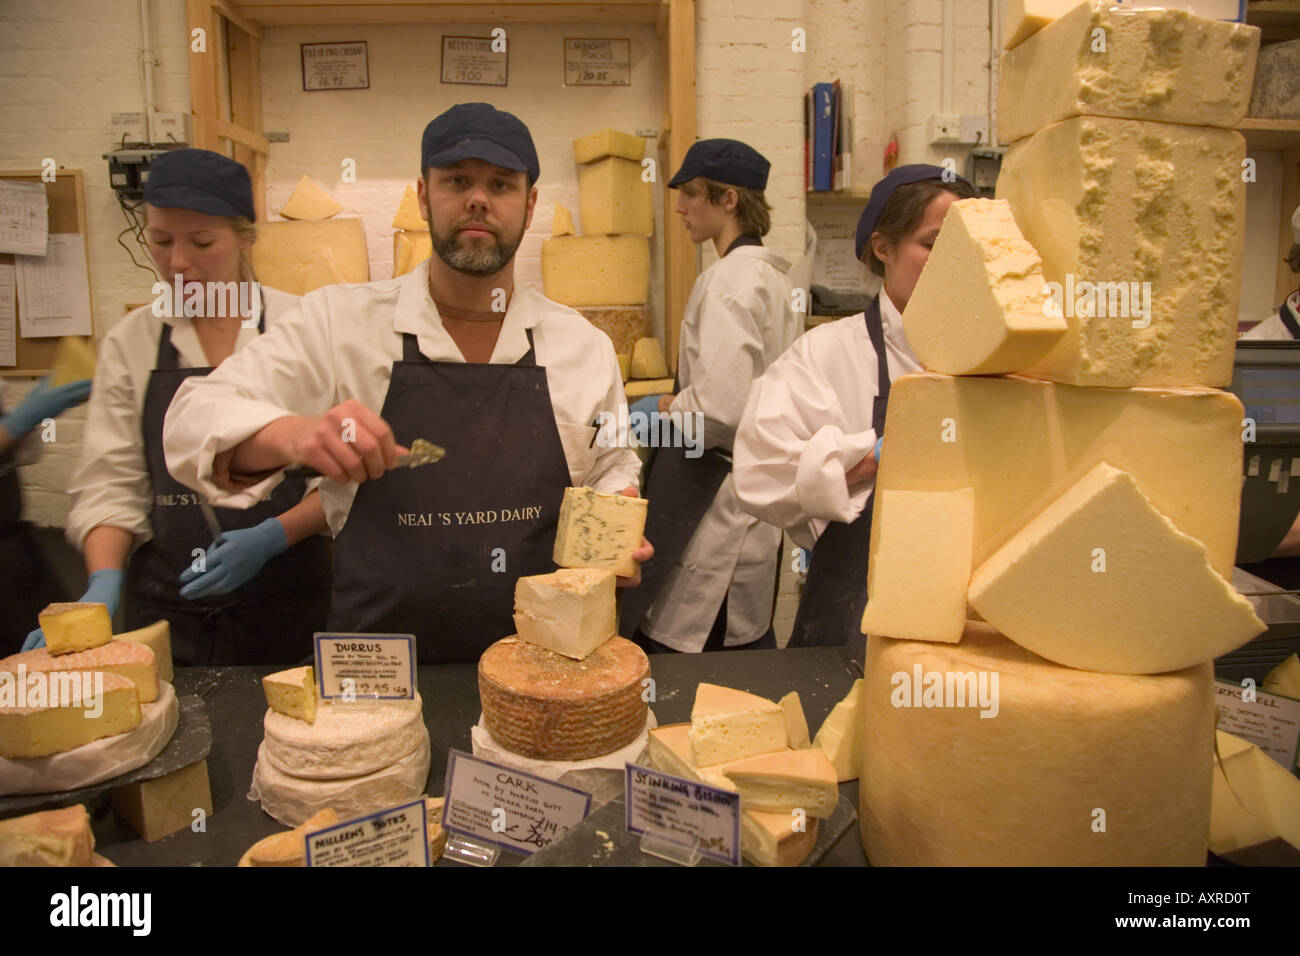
(335,66)
(1271,722)
(684,811)
(475,61)
(506,807)
(592,61)
(371,666)
(396,837)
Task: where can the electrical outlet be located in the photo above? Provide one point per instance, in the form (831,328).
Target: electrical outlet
(975,129)
(945,128)
(171,127)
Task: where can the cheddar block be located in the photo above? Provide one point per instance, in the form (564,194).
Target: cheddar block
(624,366)
(919,590)
(796,724)
(1285,678)
(74,361)
(288,848)
(75,627)
(596,530)
(608,142)
(570,612)
(1019,444)
(292,692)
(408,216)
(297,257)
(165,805)
(729,724)
(1101,580)
(648,359)
(787,780)
(614,199)
(125,658)
(978,307)
(562,224)
(596,270)
(1111,204)
(838,736)
(310,200)
(76,715)
(1148,64)
(158,638)
(409,250)
(1021,19)
(654,386)
(48,838)
(1255,814)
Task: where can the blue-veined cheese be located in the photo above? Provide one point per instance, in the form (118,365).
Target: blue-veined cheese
(596,530)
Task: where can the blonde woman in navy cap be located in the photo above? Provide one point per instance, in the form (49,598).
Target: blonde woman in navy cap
(712,581)
(807,447)
(257,596)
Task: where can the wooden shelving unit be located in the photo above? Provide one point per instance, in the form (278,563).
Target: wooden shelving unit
(849,196)
(1264,134)
(1277,19)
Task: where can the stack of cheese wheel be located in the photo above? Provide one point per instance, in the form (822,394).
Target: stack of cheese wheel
(354,757)
(1086,508)
(88,706)
(566,687)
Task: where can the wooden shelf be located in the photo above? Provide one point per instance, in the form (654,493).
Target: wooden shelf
(823,198)
(269,13)
(1265,134)
(1277,19)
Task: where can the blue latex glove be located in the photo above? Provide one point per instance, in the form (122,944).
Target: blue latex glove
(104,587)
(879,444)
(647,406)
(42,402)
(234,561)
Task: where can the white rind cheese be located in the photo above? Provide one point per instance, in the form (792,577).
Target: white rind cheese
(596,530)
(292,692)
(570,612)
(346,739)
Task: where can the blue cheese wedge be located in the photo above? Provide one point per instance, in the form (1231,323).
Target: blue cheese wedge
(599,531)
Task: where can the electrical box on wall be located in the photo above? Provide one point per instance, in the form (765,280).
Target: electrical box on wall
(171,129)
(128,171)
(983,166)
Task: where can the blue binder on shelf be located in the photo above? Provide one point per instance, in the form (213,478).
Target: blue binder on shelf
(823,136)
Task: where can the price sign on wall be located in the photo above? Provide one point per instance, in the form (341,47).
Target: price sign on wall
(593,61)
(335,66)
(475,61)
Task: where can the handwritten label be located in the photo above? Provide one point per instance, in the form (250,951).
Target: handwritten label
(471,61)
(372,666)
(684,811)
(1271,722)
(395,837)
(592,61)
(514,810)
(335,66)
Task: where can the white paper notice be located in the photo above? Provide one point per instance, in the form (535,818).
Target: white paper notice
(8,318)
(24,218)
(1269,721)
(54,290)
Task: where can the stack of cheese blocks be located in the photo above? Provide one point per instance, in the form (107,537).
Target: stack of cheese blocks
(746,743)
(311,248)
(412,243)
(1086,506)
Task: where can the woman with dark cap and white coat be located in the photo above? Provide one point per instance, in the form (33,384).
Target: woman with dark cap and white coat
(808,444)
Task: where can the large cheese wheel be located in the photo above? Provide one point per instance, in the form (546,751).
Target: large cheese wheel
(346,739)
(1072,768)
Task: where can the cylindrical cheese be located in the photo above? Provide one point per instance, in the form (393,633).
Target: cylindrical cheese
(1068,768)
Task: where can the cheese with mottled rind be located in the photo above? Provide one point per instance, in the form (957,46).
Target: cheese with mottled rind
(570,611)
(75,627)
(729,724)
(127,659)
(596,270)
(158,638)
(71,715)
(292,692)
(48,838)
(608,142)
(838,734)
(787,780)
(1255,819)
(597,530)
(310,201)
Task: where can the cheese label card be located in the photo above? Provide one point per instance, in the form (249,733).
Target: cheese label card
(506,807)
(684,811)
(1269,721)
(373,666)
(395,837)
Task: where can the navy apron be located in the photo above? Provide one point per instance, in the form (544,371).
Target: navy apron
(267,620)
(835,593)
(1289,321)
(435,551)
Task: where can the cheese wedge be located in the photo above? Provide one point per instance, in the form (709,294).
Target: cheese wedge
(570,612)
(1255,808)
(158,638)
(77,716)
(292,692)
(1021,19)
(126,658)
(796,724)
(408,213)
(562,224)
(288,848)
(409,250)
(654,386)
(596,530)
(608,142)
(978,307)
(49,838)
(310,200)
(786,781)
(838,736)
(1285,678)
(75,627)
(596,270)
(729,724)
(298,257)
(624,366)
(923,562)
(670,751)
(1100,580)
(74,361)
(648,359)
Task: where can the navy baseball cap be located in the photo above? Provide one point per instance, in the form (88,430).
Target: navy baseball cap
(201,181)
(479,131)
(880,193)
(726,161)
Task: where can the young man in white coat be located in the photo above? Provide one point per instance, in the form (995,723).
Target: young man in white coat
(455,352)
(712,584)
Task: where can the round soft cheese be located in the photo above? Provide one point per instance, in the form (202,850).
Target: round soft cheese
(346,740)
(1050,766)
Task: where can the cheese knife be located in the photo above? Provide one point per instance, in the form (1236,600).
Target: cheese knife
(422,452)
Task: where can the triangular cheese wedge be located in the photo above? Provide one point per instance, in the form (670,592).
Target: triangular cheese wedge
(838,736)
(288,848)
(158,638)
(1285,678)
(72,627)
(729,724)
(562,224)
(74,361)
(787,781)
(796,724)
(408,213)
(292,692)
(48,838)
(1255,809)
(310,201)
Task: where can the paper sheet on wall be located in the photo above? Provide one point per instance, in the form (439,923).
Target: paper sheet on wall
(54,290)
(24,217)
(8,320)
(836,267)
